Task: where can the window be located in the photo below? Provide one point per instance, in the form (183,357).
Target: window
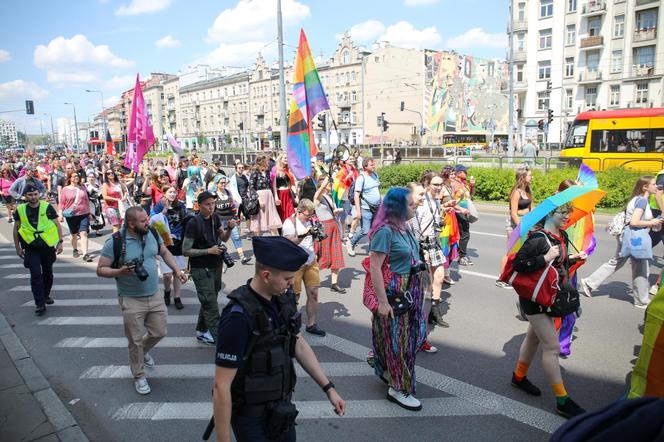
(544,70)
(520,41)
(623,140)
(519,73)
(345,57)
(594,26)
(646,19)
(619,26)
(546,8)
(542,100)
(614,95)
(644,56)
(569,67)
(522,11)
(616,61)
(569,98)
(591,96)
(641,93)
(571,5)
(577,135)
(353,76)
(592,60)
(338,80)
(545,37)
(353,97)
(571,35)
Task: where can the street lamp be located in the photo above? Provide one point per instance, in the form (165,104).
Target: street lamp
(103,117)
(78,145)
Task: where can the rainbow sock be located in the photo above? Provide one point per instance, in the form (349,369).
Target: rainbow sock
(521,370)
(561,393)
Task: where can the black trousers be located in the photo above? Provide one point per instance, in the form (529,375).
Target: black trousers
(250,429)
(40,262)
(656,237)
(464,234)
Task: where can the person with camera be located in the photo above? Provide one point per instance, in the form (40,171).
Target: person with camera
(300,229)
(262,323)
(203,243)
(130,256)
(37,239)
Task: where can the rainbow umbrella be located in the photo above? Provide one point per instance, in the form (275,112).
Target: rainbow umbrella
(571,195)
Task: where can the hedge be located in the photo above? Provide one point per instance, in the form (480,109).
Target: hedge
(493,184)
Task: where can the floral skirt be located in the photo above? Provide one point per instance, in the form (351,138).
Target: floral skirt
(267,217)
(113,216)
(396,340)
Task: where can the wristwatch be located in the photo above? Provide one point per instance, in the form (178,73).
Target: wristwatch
(328,387)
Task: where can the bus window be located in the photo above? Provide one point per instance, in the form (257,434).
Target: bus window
(576,136)
(657,140)
(620,141)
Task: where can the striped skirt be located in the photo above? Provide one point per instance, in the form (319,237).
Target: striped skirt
(396,341)
(329,251)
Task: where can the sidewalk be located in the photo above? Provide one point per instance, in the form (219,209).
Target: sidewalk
(29,408)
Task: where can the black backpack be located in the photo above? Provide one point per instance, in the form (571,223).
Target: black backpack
(117,247)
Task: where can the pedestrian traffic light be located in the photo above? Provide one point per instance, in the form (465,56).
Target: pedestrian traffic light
(386,125)
(241,126)
(29,107)
(322,122)
(550,114)
(403,106)
(540,124)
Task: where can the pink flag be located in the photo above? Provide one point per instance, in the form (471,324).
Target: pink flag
(139,133)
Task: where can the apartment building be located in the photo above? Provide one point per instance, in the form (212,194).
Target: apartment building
(8,136)
(594,55)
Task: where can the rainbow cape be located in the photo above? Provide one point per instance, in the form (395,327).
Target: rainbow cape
(449,237)
(308,100)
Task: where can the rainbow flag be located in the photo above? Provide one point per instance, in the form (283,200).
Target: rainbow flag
(342,181)
(308,100)
(648,373)
(582,236)
(449,237)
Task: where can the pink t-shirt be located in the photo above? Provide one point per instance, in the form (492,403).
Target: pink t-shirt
(5,184)
(68,197)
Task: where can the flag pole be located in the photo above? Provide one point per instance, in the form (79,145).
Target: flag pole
(283,124)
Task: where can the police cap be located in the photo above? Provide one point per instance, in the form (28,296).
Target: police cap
(279,253)
(30,188)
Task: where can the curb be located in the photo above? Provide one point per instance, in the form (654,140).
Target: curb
(66,427)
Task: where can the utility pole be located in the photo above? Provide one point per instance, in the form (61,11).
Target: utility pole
(103,116)
(283,124)
(510,70)
(52,131)
(78,144)
(327,133)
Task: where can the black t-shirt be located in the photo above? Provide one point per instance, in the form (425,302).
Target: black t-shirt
(242,184)
(224,205)
(236,328)
(308,189)
(204,233)
(33,218)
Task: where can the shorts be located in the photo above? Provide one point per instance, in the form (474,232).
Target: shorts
(310,274)
(181,260)
(78,223)
(7,199)
(435,257)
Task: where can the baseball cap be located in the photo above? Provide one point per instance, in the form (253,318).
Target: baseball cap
(204,196)
(460,168)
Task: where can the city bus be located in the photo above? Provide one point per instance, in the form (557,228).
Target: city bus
(463,143)
(629,138)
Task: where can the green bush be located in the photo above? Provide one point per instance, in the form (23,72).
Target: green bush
(493,184)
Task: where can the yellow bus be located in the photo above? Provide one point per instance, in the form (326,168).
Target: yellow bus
(465,142)
(629,138)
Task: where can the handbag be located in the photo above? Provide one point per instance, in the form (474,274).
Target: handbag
(369,297)
(567,301)
(473,214)
(68,213)
(250,204)
(617,224)
(540,286)
(636,243)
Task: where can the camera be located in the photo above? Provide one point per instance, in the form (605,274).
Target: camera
(139,270)
(428,244)
(225,256)
(420,267)
(317,230)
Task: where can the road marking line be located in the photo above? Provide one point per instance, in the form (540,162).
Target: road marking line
(59,275)
(109,320)
(448,406)
(68,265)
(101,302)
(206,371)
(474,232)
(495,403)
(69,287)
(91,342)
(481,275)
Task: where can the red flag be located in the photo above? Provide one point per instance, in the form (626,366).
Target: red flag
(110,147)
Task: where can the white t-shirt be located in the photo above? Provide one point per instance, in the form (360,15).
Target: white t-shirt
(307,243)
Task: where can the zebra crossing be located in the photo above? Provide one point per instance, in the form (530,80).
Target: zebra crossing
(84,330)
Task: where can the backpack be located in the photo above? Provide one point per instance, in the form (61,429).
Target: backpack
(617,224)
(117,247)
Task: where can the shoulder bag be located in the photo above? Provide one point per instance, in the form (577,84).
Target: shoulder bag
(636,243)
(69,212)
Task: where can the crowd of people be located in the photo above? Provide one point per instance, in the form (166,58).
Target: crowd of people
(414,233)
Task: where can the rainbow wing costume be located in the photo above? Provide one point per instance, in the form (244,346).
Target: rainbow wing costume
(308,100)
(449,237)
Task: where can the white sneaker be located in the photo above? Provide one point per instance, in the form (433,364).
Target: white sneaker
(148,360)
(641,305)
(407,401)
(205,338)
(653,289)
(142,386)
(350,249)
(585,288)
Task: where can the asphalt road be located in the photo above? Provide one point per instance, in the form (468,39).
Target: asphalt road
(80,347)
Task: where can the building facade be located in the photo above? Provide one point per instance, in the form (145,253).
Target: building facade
(8,135)
(608,54)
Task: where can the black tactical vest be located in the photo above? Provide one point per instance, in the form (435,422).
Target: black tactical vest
(267,373)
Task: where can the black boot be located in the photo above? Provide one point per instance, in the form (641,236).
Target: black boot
(167,297)
(436,316)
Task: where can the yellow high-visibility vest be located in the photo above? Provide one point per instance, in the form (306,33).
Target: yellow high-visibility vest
(46,229)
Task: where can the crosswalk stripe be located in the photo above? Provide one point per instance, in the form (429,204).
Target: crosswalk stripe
(109,320)
(206,371)
(481,275)
(448,406)
(60,257)
(68,265)
(90,342)
(58,276)
(100,302)
(70,287)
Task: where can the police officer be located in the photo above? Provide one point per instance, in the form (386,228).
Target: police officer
(37,238)
(259,335)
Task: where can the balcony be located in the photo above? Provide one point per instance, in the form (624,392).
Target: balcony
(593,7)
(520,85)
(590,76)
(644,35)
(520,56)
(596,41)
(643,70)
(520,25)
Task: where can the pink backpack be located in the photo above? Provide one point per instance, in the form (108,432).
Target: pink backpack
(369,297)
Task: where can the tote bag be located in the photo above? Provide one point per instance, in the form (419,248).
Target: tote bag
(636,243)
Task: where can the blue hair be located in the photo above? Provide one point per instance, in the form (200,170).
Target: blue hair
(393,210)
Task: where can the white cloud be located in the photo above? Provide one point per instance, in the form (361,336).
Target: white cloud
(403,34)
(120,83)
(5,56)
(111,101)
(366,31)
(477,38)
(21,89)
(238,54)
(75,60)
(137,7)
(168,41)
(419,2)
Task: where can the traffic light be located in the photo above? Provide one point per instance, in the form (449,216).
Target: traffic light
(241,126)
(548,85)
(540,124)
(322,122)
(550,114)
(29,107)
(386,125)
(402,106)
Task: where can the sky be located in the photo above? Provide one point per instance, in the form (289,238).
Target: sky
(52,51)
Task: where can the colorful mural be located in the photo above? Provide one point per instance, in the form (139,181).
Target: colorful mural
(463,94)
